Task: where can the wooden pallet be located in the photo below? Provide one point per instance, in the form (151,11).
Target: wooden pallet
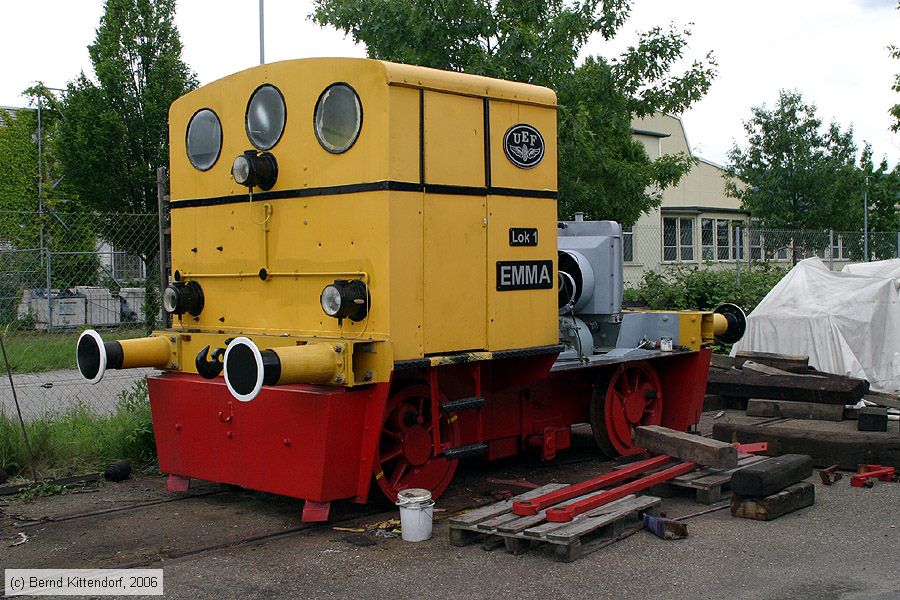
(709,485)
(496,525)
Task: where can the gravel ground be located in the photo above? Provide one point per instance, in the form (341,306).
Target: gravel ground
(846,546)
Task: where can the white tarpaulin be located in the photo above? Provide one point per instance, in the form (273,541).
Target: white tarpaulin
(847,323)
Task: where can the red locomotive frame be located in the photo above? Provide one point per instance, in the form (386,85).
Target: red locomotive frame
(321,443)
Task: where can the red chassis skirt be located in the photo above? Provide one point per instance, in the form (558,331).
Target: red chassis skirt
(321,443)
(303,441)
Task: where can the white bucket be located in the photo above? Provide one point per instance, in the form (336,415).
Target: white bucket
(416,513)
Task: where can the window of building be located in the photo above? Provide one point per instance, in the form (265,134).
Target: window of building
(707,239)
(840,249)
(723,247)
(737,240)
(756,245)
(628,243)
(687,239)
(678,238)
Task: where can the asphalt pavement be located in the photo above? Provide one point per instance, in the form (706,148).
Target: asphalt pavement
(60,390)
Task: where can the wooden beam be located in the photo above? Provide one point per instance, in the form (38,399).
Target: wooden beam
(883,399)
(757,407)
(686,446)
(795,497)
(799,388)
(785,362)
(849,449)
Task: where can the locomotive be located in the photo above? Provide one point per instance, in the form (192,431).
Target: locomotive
(370,283)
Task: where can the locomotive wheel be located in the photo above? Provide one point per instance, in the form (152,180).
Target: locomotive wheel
(406,455)
(632,396)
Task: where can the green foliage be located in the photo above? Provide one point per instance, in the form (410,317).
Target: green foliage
(602,170)
(882,187)
(701,288)
(35,352)
(115,129)
(79,439)
(798,174)
(895,110)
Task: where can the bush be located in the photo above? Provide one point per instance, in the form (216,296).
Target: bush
(702,288)
(79,440)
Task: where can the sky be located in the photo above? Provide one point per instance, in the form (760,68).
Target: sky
(832,51)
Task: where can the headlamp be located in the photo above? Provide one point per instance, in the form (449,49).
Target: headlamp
(346,298)
(180,298)
(254,169)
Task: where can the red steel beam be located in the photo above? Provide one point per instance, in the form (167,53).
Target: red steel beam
(535,505)
(753,448)
(562,514)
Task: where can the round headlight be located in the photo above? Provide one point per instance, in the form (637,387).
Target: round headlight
(331,300)
(170,299)
(346,298)
(338,118)
(204,139)
(180,298)
(240,169)
(266,116)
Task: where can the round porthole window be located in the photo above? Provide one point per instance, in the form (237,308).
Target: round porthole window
(266,116)
(204,139)
(338,118)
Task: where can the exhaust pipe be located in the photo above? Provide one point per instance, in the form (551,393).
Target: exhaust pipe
(729,323)
(247,368)
(94,356)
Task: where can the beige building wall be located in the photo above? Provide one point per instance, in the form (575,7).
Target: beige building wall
(697,221)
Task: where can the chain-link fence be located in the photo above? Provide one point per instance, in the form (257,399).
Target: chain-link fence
(726,244)
(61,273)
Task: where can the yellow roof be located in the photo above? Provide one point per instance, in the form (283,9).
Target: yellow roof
(470,85)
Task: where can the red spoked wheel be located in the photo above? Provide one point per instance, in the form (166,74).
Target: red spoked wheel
(406,455)
(632,396)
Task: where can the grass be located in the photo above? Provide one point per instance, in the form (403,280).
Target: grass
(78,440)
(36,352)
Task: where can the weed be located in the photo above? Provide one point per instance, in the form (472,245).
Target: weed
(78,439)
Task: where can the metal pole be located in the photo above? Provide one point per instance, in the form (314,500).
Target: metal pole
(49,294)
(262,35)
(44,251)
(739,253)
(160,207)
(40,145)
(865,219)
(831,249)
(898,244)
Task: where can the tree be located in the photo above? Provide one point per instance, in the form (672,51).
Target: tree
(895,110)
(883,192)
(115,131)
(602,170)
(797,173)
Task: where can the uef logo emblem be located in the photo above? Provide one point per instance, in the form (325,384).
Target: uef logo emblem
(523,145)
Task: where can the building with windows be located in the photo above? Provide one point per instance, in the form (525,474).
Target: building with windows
(697,222)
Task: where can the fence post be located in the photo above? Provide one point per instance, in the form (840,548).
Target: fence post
(831,249)
(160,206)
(49,292)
